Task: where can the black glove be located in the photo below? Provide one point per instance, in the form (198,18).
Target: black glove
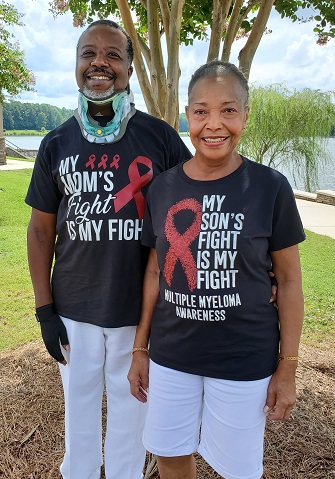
(53,330)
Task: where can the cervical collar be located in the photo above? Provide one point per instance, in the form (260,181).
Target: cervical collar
(123,107)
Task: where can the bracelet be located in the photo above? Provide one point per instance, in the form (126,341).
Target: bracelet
(145,350)
(288,358)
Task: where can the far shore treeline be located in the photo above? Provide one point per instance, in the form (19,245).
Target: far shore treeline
(43,117)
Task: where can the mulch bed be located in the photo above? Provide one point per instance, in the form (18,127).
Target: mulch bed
(31,434)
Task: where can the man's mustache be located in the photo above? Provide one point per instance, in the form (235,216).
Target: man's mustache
(103,71)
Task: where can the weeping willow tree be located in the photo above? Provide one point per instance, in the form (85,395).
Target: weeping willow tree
(290,128)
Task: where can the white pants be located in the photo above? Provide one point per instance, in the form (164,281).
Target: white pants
(100,357)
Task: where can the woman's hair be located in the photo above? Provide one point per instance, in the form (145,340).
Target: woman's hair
(110,23)
(217,68)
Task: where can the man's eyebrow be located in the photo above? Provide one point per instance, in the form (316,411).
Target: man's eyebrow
(87,45)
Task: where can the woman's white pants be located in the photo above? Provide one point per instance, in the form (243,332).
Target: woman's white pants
(98,358)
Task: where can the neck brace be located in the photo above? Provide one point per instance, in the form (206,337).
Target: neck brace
(123,107)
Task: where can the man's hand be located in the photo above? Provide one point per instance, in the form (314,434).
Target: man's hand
(274,288)
(53,332)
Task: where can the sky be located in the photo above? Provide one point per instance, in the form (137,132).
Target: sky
(288,55)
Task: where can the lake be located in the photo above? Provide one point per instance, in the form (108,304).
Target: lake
(326,175)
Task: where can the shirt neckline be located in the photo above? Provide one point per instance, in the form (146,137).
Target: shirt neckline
(229,177)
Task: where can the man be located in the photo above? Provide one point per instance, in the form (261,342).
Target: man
(87,195)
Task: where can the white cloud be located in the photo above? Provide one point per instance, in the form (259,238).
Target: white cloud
(289,54)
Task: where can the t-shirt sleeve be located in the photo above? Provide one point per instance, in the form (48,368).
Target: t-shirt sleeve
(148,237)
(287,228)
(43,193)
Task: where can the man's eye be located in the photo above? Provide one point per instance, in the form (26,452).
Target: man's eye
(199,112)
(229,110)
(88,53)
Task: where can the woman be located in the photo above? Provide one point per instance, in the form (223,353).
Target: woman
(221,357)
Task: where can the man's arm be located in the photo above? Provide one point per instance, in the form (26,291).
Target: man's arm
(41,236)
(281,392)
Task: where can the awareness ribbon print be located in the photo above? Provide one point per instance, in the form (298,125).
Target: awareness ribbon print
(180,243)
(133,189)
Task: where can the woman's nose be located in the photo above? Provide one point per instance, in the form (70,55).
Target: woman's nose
(214,121)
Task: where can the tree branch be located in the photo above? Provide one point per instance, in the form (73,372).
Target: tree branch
(173,70)
(247,53)
(220,13)
(165,13)
(157,70)
(233,26)
(141,72)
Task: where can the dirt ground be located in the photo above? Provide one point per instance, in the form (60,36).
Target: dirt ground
(31,434)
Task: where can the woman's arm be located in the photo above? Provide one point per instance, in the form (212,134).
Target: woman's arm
(138,375)
(282,392)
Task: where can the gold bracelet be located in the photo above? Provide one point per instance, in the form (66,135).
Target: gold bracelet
(145,350)
(288,358)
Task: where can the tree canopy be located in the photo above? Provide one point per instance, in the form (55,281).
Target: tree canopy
(180,22)
(33,116)
(14,76)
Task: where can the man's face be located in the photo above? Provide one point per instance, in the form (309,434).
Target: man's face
(102,66)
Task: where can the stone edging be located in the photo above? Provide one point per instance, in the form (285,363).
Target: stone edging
(321,196)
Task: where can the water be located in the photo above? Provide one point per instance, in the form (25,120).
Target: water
(326,175)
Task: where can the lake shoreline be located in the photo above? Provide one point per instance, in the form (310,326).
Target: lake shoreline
(30,144)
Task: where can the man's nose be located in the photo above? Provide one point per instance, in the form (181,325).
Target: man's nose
(100,60)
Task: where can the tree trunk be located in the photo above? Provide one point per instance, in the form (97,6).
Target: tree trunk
(157,71)
(233,26)
(220,13)
(149,98)
(173,70)
(247,53)
(2,139)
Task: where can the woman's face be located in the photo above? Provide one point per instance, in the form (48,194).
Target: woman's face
(217,116)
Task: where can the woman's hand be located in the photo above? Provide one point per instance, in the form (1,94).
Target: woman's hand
(138,376)
(281,395)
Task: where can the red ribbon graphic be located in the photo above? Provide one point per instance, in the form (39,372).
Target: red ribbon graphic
(90,162)
(179,243)
(133,189)
(103,162)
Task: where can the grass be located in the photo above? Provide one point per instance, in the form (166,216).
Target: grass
(26,132)
(17,321)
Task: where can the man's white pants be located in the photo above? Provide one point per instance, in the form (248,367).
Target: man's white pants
(100,357)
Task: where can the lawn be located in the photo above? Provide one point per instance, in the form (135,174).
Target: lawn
(17,321)
(32,414)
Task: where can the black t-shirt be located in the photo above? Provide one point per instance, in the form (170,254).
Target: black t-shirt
(213,242)
(98,193)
